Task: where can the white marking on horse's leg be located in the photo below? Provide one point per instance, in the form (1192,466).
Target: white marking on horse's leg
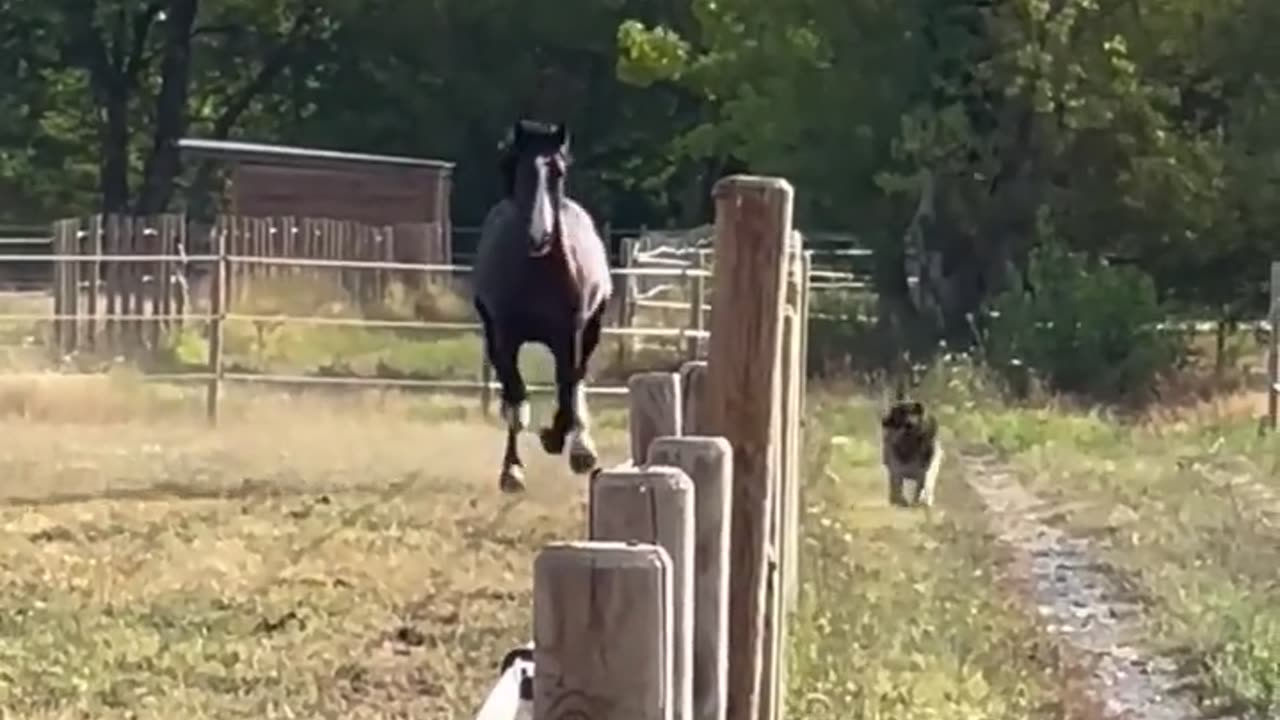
(512,479)
(516,416)
(582,416)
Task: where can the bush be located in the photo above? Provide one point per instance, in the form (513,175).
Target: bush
(1086,327)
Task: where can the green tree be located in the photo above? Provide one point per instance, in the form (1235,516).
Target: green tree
(112,85)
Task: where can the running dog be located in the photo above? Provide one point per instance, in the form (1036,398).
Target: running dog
(910,450)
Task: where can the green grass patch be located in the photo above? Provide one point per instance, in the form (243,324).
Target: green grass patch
(901,612)
(1183,504)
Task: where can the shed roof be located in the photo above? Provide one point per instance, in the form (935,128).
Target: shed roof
(297,156)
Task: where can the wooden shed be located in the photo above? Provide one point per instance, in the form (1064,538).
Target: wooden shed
(412,194)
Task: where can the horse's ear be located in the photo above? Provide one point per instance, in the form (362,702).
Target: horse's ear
(562,135)
(517,134)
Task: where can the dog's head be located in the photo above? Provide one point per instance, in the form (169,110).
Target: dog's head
(909,418)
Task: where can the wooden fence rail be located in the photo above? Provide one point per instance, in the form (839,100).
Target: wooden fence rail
(125,285)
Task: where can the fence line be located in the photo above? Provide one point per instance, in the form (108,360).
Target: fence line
(82,266)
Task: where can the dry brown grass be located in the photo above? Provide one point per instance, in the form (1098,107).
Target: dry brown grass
(322,555)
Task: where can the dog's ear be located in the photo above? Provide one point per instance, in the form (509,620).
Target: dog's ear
(915,408)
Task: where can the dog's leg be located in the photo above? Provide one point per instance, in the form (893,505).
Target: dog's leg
(896,495)
(930,481)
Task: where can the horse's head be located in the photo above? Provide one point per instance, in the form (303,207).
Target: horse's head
(533,169)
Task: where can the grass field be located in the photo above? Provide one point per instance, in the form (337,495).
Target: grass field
(348,556)
(321,556)
(346,553)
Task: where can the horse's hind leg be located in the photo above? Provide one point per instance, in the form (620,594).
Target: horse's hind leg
(503,355)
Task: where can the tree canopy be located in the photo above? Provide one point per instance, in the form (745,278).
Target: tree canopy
(1142,132)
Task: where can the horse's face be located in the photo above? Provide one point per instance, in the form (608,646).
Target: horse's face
(540,164)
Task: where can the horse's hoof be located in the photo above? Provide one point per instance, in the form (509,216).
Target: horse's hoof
(552,441)
(582,456)
(512,479)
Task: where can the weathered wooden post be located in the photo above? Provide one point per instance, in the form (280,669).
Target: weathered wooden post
(217,318)
(95,279)
(602,632)
(693,387)
(697,320)
(784,513)
(1273,355)
(709,464)
(625,292)
(744,368)
(655,409)
(655,505)
(61,229)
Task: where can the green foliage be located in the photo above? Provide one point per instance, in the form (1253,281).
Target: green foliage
(1085,327)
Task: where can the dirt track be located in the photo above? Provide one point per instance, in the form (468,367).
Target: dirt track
(1081,603)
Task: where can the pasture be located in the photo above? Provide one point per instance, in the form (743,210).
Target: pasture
(319,556)
(331,554)
(360,562)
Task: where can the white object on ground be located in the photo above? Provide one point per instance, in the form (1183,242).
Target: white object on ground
(512,696)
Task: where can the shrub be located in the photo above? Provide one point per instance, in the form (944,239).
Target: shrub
(1085,327)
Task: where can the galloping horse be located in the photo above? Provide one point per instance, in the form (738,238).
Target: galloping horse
(541,274)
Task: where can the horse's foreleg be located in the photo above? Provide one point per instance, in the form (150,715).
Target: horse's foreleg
(573,417)
(503,356)
(553,436)
(515,410)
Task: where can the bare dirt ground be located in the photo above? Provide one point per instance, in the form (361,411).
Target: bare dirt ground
(317,556)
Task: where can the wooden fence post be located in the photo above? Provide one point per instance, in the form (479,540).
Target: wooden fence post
(784,516)
(95,279)
(655,409)
(602,632)
(79,240)
(697,319)
(805,278)
(693,387)
(708,461)
(656,505)
(753,229)
(59,232)
(217,316)
(111,244)
(1273,356)
(625,291)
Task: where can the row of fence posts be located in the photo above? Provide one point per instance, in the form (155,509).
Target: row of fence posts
(674,607)
(120,282)
(127,276)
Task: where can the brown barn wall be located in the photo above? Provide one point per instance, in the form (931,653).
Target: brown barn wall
(377,196)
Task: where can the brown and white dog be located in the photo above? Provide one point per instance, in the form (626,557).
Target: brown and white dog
(910,450)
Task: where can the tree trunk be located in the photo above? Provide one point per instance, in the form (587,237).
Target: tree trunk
(164,162)
(113,171)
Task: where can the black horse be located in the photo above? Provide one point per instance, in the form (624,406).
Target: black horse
(541,275)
